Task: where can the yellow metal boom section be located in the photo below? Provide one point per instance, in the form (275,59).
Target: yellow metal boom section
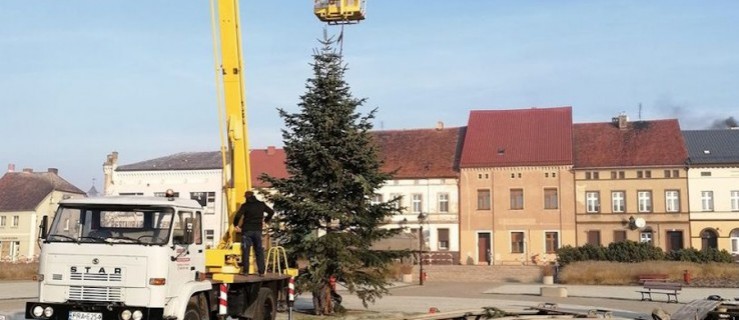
(223,261)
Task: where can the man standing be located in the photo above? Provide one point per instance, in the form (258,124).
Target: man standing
(248,221)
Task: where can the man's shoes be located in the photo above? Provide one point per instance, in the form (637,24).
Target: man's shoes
(261,275)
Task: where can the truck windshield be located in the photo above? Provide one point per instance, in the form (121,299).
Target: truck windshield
(125,225)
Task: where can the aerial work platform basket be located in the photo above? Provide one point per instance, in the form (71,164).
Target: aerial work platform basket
(339,11)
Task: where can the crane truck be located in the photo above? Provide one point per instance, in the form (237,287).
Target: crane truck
(143,258)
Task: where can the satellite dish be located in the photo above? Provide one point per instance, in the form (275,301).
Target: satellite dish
(640,223)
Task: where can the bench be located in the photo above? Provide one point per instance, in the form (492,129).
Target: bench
(670,289)
(653,277)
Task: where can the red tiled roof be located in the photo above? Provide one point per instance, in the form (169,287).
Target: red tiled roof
(643,143)
(23,191)
(420,153)
(270,161)
(522,137)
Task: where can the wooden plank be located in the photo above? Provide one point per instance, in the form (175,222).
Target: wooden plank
(696,309)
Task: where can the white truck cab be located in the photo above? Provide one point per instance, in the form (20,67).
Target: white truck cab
(120,258)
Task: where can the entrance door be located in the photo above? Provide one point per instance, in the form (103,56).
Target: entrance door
(484,251)
(674,240)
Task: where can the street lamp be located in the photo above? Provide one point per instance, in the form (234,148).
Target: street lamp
(421,219)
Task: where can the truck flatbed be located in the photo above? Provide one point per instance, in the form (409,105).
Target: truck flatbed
(254,278)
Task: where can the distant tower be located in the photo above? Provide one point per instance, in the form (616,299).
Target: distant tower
(111,163)
(92,192)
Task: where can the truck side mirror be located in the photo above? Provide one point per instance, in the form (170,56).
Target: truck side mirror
(189,234)
(43,228)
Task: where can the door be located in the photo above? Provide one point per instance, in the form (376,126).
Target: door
(709,239)
(186,258)
(674,240)
(484,250)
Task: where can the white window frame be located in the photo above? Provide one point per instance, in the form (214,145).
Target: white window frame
(672,200)
(557,236)
(735,200)
(16,221)
(15,250)
(376,198)
(440,246)
(3,221)
(523,241)
(592,201)
(443,202)
(734,235)
(618,201)
(707,200)
(398,204)
(646,236)
(645,200)
(417,203)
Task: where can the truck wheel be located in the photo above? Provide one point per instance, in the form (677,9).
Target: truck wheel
(266,307)
(192,312)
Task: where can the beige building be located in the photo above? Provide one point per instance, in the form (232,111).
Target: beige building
(713,180)
(516,184)
(631,183)
(25,197)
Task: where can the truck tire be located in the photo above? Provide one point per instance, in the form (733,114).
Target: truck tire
(192,312)
(266,308)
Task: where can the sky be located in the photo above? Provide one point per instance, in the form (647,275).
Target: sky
(81,79)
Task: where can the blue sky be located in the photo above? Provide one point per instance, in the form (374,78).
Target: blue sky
(79,79)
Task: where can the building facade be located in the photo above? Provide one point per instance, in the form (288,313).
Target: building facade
(25,198)
(631,183)
(713,180)
(516,184)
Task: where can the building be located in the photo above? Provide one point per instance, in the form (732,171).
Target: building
(424,162)
(713,181)
(631,183)
(516,184)
(25,197)
(194,175)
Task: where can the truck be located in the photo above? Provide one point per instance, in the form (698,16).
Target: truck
(143,258)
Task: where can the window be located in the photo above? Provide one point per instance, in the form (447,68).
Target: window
(734,241)
(443,239)
(594,237)
(705,173)
(672,201)
(2,221)
(15,250)
(550,198)
(619,235)
(639,174)
(592,175)
(645,201)
(483,199)
(16,220)
(179,227)
(644,174)
(618,201)
(622,175)
(417,202)
(552,241)
(707,200)
(735,200)
(209,237)
(676,173)
(668,174)
(617,175)
(397,200)
(205,199)
(376,198)
(646,236)
(443,202)
(516,242)
(592,201)
(516,199)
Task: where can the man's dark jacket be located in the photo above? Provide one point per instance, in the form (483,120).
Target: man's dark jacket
(253,213)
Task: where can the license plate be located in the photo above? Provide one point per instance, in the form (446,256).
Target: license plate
(78,315)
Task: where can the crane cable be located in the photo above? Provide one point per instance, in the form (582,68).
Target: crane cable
(217,68)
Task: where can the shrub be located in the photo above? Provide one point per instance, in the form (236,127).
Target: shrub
(700,256)
(18,270)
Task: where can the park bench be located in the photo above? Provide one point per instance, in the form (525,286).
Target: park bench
(670,289)
(651,277)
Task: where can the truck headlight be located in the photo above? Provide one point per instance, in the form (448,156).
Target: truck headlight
(137,315)
(126,314)
(38,311)
(48,312)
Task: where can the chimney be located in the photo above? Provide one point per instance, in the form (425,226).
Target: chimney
(11,168)
(27,170)
(439,125)
(271,150)
(54,171)
(622,121)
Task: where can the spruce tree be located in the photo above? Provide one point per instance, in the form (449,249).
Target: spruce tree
(325,211)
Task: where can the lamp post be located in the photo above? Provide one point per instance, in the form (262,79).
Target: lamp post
(421,219)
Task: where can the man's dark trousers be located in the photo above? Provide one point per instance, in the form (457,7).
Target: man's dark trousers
(249,239)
